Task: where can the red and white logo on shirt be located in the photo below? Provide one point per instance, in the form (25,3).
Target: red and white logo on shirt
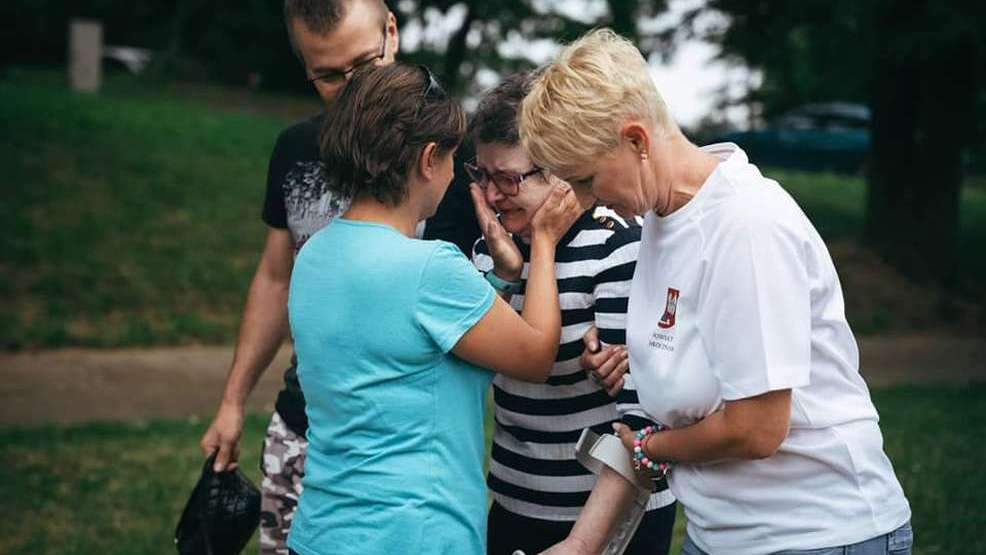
(667,320)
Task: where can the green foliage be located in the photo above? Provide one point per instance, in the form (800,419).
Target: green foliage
(119,488)
(476,44)
(224,40)
(920,65)
(229,40)
(818,50)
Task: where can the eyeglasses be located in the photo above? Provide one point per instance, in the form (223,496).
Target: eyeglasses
(506,183)
(335,76)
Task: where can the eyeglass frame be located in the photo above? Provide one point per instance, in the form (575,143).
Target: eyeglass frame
(482,177)
(335,76)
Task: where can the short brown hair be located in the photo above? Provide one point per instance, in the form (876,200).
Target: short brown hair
(322,16)
(495,119)
(374,132)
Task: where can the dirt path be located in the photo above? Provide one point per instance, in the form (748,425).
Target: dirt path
(80,385)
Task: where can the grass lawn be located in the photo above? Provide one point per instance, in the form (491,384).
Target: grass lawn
(119,488)
(129,220)
(132,216)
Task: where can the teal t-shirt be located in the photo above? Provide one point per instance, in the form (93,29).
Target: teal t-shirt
(395,454)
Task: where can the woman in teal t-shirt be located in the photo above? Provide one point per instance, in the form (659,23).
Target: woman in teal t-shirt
(394,334)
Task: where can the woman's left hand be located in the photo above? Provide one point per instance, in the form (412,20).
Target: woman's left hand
(555,217)
(607,365)
(626,435)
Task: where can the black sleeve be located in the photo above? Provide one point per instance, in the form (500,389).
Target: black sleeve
(274,213)
(455,219)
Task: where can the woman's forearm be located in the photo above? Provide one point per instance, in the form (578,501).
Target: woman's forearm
(745,429)
(599,518)
(607,506)
(541,309)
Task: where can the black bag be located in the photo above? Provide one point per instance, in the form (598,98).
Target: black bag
(221,515)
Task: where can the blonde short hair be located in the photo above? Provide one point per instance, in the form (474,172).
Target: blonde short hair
(576,107)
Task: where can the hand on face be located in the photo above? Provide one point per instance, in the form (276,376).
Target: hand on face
(559,211)
(508,263)
(508,162)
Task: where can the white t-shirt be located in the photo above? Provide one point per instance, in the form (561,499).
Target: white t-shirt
(735,295)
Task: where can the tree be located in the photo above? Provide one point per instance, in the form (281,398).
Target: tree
(927,68)
(920,64)
(486,25)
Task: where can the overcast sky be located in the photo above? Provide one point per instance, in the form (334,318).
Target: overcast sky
(689,81)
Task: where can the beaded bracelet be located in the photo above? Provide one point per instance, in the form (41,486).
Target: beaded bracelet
(640,458)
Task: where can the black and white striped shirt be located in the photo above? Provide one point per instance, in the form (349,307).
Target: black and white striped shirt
(533,470)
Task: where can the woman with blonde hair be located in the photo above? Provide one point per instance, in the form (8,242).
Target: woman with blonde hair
(736,329)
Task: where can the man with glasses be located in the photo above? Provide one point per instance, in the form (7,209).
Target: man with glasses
(328,79)
(332,39)
(538,486)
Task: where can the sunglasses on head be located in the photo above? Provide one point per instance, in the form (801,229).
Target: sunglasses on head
(434,90)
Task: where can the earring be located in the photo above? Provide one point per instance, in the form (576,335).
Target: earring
(643,156)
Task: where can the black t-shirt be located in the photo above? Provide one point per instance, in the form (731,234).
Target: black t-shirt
(298,200)
(455,219)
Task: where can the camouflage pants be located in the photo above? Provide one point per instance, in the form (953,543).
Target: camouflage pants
(283,465)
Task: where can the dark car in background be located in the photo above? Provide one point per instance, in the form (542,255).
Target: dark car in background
(832,136)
